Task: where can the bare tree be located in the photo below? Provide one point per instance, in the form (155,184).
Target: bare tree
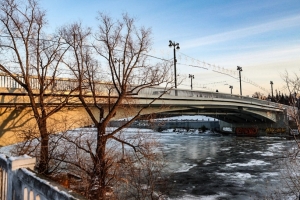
(293,86)
(122,48)
(258,95)
(290,174)
(32,59)
(141,173)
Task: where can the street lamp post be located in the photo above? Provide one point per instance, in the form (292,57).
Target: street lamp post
(119,61)
(192,77)
(240,69)
(231,87)
(271,82)
(175,46)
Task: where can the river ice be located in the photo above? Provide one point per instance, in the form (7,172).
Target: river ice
(212,166)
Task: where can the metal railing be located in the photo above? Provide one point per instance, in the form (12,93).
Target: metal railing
(58,84)
(67,84)
(156,91)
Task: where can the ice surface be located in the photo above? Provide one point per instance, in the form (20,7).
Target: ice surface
(267,174)
(208,161)
(252,162)
(275,147)
(185,167)
(225,149)
(208,197)
(267,153)
(236,177)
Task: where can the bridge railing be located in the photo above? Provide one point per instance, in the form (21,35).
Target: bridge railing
(67,84)
(17,181)
(156,91)
(59,83)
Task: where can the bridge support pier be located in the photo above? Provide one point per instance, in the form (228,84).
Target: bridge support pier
(278,128)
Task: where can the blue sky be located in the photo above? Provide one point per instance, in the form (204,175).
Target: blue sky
(261,36)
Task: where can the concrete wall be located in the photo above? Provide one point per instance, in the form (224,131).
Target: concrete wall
(17,122)
(19,182)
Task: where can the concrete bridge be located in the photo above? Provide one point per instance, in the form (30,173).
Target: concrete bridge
(240,114)
(234,111)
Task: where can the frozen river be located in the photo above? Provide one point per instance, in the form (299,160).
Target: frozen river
(213,166)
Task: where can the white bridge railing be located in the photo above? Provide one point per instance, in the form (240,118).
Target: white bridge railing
(18,182)
(67,84)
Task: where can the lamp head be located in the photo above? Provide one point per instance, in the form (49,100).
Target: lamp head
(170,43)
(271,82)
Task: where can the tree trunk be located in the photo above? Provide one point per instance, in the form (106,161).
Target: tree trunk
(99,176)
(44,150)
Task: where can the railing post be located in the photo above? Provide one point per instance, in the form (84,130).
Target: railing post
(8,172)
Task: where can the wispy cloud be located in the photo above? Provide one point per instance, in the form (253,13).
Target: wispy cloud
(244,32)
(260,58)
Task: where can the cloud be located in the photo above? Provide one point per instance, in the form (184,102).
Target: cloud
(244,32)
(270,55)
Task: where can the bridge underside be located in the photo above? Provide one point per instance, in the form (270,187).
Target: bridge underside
(232,115)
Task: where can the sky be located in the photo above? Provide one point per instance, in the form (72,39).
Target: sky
(215,36)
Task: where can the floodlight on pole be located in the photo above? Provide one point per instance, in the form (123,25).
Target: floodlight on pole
(191,77)
(240,69)
(119,61)
(231,87)
(271,82)
(175,47)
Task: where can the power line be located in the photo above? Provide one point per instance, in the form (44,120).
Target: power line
(152,56)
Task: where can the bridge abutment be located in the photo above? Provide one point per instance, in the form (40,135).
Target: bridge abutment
(18,123)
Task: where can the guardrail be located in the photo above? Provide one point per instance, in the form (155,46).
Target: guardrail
(18,181)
